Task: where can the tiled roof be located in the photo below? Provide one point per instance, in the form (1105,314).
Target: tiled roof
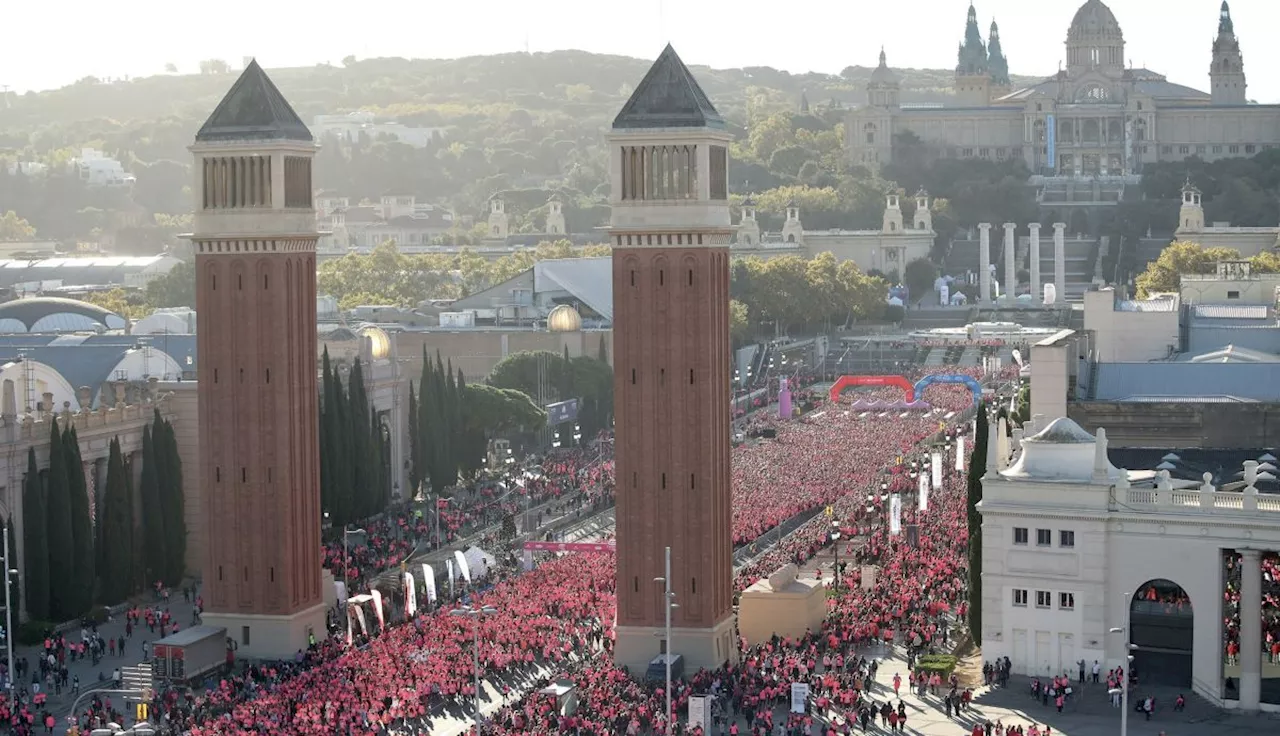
(254,110)
(668,97)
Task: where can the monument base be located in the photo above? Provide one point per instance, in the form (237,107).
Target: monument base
(270,637)
(791,610)
(636,646)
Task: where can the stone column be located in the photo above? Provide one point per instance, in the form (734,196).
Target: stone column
(984,263)
(1250,629)
(1010,274)
(1034,257)
(1060,260)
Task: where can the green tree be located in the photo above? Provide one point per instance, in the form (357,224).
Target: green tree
(153,535)
(81,523)
(35,543)
(172,498)
(62,596)
(1165,273)
(498,410)
(13,227)
(977,469)
(116,563)
(177,288)
(919,276)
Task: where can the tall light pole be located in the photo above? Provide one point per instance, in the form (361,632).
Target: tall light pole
(1128,663)
(474,614)
(9,573)
(346,563)
(669,599)
(835,541)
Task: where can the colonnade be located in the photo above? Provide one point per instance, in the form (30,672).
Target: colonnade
(985,294)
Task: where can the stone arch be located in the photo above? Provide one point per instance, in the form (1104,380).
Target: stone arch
(1162,626)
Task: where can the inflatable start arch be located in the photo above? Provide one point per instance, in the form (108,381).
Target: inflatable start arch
(844,382)
(951,378)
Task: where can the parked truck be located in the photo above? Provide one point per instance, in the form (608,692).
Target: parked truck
(189,655)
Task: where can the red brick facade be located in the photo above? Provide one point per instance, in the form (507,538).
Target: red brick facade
(671,392)
(259,455)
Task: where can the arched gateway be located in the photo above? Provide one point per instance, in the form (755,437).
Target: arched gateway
(1163,626)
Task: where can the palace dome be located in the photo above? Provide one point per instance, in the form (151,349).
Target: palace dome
(564,318)
(1093,20)
(882,73)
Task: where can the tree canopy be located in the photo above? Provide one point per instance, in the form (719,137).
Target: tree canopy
(1164,274)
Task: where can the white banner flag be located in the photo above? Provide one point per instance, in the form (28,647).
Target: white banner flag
(377,608)
(340,588)
(429,579)
(924,492)
(463,568)
(448,563)
(359,611)
(895,515)
(410,595)
(937,470)
(960,453)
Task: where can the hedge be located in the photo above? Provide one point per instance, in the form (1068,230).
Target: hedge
(942,664)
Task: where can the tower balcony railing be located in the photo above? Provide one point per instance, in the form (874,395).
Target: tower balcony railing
(1203,499)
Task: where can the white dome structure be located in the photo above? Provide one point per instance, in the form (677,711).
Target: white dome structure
(181,321)
(1061,452)
(564,318)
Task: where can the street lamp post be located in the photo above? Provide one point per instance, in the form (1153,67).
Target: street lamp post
(1128,663)
(669,599)
(835,541)
(474,614)
(9,572)
(346,562)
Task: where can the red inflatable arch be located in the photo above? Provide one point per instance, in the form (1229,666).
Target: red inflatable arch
(844,382)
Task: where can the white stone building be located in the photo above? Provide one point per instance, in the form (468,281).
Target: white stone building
(1072,547)
(96,169)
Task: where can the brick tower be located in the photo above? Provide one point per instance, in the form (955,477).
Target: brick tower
(254,240)
(670,233)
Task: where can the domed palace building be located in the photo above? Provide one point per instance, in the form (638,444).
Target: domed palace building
(1098,116)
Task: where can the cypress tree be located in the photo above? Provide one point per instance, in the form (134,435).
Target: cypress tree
(172,501)
(977,469)
(602,353)
(62,564)
(414,477)
(116,570)
(453,420)
(81,523)
(358,437)
(444,464)
(153,536)
(421,458)
(35,543)
(327,450)
(344,474)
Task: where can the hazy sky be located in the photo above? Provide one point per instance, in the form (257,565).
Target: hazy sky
(74,38)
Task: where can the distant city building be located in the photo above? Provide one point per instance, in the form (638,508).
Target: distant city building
(351,126)
(96,169)
(1097,117)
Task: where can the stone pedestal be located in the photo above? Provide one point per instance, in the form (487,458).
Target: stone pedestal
(637,646)
(1060,260)
(984,263)
(1037,295)
(270,637)
(1010,272)
(781,605)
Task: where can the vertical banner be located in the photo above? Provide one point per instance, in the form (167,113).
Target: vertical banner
(410,596)
(960,453)
(924,491)
(700,713)
(799,697)
(784,399)
(340,588)
(429,580)
(350,637)
(895,515)
(377,608)
(936,464)
(1051,143)
(364,624)
(527,561)
(463,568)
(944,295)
(449,564)
(868,577)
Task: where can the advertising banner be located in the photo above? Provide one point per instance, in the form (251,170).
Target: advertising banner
(429,579)
(410,596)
(924,492)
(1051,142)
(960,453)
(936,464)
(799,697)
(895,515)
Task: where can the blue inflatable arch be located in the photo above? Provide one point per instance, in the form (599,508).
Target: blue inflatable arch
(950,378)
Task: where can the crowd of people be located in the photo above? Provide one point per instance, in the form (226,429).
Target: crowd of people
(556,619)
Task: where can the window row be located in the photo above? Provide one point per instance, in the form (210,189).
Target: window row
(1044,599)
(1231,150)
(1044,537)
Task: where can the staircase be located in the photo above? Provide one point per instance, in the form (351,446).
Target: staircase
(936,357)
(970,357)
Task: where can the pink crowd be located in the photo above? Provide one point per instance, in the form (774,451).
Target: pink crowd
(556,619)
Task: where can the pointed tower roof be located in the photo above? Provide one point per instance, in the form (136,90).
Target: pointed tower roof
(253,110)
(883,75)
(668,97)
(1225,26)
